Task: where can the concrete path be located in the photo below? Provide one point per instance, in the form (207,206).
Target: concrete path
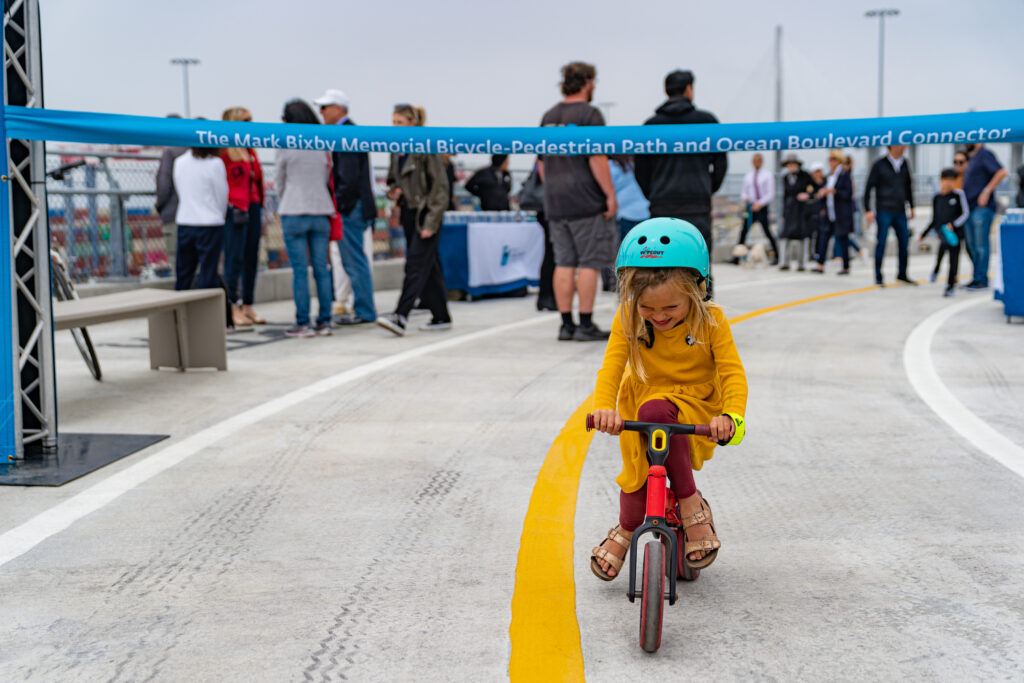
(370,530)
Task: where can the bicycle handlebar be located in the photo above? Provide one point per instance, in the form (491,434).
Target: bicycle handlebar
(633,426)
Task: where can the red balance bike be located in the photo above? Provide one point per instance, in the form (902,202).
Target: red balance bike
(665,527)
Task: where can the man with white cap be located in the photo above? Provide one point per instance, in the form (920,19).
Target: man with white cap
(353,190)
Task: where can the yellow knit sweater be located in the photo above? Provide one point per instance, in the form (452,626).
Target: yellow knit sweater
(702,380)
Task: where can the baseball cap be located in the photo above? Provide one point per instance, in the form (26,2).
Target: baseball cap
(817,166)
(332,96)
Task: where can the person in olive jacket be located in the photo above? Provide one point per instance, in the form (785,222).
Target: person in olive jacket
(419,183)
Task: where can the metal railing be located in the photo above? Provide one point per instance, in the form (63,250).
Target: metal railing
(103,224)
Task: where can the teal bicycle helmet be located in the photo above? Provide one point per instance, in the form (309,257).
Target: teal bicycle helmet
(664,243)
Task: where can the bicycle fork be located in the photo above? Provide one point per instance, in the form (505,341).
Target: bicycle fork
(655,523)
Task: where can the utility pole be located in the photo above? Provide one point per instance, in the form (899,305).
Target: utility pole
(185,62)
(881,14)
(778,90)
(606,109)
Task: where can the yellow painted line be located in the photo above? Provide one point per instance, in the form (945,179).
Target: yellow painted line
(808,300)
(544,632)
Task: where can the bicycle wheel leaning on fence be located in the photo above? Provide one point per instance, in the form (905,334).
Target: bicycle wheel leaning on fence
(63,290)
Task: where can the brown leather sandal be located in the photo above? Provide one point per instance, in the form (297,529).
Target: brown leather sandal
(708,545)
(599,553)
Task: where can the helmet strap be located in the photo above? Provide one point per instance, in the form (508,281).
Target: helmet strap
(707,293)
(649,339)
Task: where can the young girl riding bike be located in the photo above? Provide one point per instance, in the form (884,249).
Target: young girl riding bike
(670,359)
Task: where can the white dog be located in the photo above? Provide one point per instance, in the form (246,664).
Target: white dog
(751,257)
(757,257)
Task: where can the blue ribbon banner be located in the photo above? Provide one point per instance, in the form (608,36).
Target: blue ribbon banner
(72,126)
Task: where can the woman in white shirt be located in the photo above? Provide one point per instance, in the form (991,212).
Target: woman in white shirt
(201,181)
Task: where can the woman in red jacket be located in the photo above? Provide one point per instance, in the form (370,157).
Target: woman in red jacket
(244,224)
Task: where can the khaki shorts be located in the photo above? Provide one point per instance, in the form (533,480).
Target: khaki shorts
(584,242)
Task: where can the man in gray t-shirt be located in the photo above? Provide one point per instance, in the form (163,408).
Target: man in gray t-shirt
(580,206)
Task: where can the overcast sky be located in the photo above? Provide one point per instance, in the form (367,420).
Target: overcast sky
(486,63)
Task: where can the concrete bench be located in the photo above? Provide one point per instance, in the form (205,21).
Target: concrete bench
(186,329)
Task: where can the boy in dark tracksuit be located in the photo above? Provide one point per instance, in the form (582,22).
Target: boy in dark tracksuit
(949,212)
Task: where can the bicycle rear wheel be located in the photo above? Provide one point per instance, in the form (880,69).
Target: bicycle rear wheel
(64,292)
(652,601)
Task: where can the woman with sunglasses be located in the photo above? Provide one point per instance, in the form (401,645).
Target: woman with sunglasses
(243,225)
(419,184)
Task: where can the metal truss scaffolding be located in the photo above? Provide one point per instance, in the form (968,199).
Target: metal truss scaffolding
(35,405)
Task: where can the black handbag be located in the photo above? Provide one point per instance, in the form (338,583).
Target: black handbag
(238,217)
(531,195)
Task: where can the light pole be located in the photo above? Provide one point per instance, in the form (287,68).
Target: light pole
(606,109)
(185,62)
(881,14)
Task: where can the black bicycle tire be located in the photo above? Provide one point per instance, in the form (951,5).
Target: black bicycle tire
(65,292)
(84,343)
(652,601)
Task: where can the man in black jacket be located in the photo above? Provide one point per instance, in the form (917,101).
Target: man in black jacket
(353,192)
(889,178)
(492,184)
(681,185)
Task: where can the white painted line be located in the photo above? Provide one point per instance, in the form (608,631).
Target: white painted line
(28,535)
(917,359)
(23,538)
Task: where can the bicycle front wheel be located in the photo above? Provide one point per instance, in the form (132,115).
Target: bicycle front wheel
(652,602)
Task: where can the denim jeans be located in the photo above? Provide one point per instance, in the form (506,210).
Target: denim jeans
(353,260)
(979,226)
(241,254)
(198,247)
(310,234)
(897,220)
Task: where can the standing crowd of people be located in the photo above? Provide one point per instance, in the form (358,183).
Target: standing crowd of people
(211,203)
(819,206)
(590,202)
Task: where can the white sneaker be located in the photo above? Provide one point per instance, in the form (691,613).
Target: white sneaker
(433,326)
(392,322)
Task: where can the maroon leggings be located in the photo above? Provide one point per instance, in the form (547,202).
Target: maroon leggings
(633,506)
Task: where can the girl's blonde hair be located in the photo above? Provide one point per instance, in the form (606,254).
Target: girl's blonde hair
(237,114)
(633,282)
